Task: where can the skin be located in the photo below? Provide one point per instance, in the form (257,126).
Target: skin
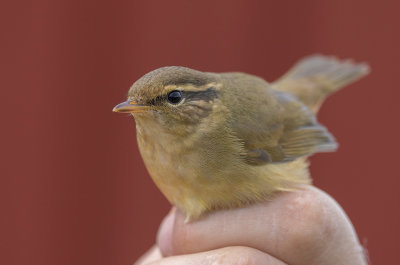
(302,227)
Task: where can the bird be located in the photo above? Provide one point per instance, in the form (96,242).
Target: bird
(215,141)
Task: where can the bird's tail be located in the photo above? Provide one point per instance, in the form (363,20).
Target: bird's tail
(315,77)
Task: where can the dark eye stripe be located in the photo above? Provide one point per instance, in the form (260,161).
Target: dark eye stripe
(157,100)
(206,95)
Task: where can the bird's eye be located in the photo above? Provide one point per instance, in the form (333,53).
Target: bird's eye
(175,97)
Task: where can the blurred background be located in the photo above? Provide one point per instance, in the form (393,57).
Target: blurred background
(73,188)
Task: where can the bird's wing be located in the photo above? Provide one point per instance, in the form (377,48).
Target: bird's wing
(303,141)
(274,126)
(283,131)
(300,135)
(315,77)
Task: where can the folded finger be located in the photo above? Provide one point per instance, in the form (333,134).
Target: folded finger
(228,255)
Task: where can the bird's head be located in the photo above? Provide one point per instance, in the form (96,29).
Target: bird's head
(172,96)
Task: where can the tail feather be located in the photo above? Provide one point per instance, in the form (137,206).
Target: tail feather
(315,77)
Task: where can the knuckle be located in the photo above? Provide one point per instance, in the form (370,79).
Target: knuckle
(312,220)
(234,256)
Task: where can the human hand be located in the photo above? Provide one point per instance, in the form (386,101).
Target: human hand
(302,227)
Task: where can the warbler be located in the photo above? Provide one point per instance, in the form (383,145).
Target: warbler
(223,140)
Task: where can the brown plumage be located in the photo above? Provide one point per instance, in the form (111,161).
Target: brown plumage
(212,141)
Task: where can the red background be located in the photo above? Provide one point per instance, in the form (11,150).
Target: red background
(73,187)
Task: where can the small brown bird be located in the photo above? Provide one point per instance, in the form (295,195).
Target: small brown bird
(216,141)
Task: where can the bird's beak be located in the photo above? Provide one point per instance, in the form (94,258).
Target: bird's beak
(130,106)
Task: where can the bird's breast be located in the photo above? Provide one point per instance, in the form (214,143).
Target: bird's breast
(171,161)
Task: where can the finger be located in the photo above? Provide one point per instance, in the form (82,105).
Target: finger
(151,255)
(228,255)
(294,226)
